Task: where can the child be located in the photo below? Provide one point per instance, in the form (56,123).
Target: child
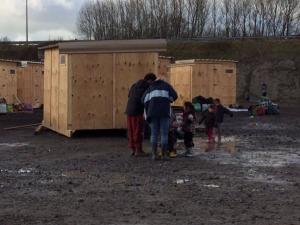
(210,121)
(188,128)
(220,111)
(174,133)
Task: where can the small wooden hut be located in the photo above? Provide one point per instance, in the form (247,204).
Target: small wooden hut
(205,77)
(21,81)
(30,88)
(86,83)
(8,80)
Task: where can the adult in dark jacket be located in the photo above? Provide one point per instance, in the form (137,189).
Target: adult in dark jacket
(134,111)
(220,111)
(157,101)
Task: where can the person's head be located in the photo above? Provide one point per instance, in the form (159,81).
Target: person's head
(150,78)
(217,101)
(211,108)
(188,107)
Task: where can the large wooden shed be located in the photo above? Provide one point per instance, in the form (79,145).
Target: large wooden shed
(8,80)
(206,77)
(86,83)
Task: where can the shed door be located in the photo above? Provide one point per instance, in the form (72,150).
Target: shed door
(91,90)
(224,83)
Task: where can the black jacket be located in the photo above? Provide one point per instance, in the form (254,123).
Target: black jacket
(220,111)
(157,100)
(134,105)
(209,119)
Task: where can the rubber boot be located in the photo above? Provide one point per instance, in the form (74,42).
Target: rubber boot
(165,155)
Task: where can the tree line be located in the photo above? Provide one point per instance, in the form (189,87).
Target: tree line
(177,19)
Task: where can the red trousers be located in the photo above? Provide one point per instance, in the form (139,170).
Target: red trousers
(210,134)
(135,126)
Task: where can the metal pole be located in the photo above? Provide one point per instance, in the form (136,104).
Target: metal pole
(27,21)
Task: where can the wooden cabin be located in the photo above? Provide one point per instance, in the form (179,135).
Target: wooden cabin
(205,77)
(8,80)
(86,83)
(21,81)
(30,88)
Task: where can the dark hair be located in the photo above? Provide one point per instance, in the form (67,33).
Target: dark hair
(218,100)
(189,106)
(150,77)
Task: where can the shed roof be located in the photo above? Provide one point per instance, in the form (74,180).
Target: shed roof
(146,45)
(195,61)
(19,61)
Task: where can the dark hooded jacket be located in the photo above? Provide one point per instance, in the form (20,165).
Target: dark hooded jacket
(134,105)
(157,100)
(220,111)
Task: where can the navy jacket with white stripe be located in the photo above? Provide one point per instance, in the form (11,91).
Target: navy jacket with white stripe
(157,100)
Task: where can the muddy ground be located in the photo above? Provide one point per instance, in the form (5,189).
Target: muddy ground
(252,178)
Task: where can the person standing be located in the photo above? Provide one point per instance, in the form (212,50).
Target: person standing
(135,111)
(220,111)
(157,101)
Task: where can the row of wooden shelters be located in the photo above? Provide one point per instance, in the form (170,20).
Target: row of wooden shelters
(86,83)
(21,81)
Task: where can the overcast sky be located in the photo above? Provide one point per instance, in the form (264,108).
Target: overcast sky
(48,19)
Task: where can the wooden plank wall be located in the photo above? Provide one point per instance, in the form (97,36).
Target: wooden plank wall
(54,92)
(63,93)
(202,80)
(47,88)
(224,83)
(92,91)
(129,68)
(180,79)
(30,84)
(212,80)
(208,80)
(8,81)
(163,68)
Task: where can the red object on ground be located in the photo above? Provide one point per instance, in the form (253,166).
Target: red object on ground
(135,126)
(261,111)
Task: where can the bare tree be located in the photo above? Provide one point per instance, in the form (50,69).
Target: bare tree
(128,19)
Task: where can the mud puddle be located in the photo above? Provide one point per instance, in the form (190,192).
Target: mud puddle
(12,145)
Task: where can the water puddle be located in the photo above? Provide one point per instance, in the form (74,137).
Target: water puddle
(13,145)
(182,181)
(211,186)
(74,174)
(25,170)
(255,176)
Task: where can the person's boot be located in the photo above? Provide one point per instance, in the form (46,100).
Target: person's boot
(188,152)
(133,152)
(165,156)
(141,153)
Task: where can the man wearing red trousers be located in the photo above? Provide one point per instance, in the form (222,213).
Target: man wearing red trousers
(135,111)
